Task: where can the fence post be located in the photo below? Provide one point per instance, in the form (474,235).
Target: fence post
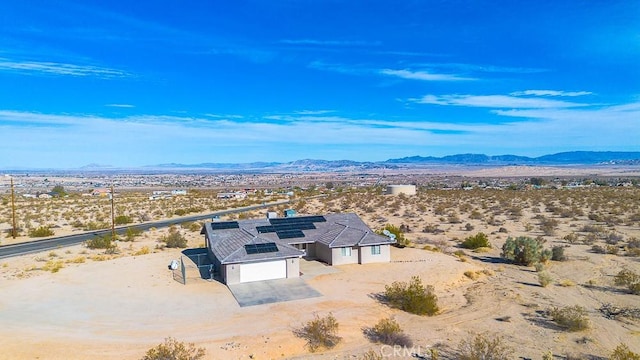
(183,270)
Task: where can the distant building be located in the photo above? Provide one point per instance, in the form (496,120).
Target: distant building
(232,195)
(103,192)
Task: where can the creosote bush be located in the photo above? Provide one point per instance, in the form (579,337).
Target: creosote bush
(101,242)
(544,279)
(42,231)
(622,352)
(388,331)
(412,297)
(571,318)
(123,219)
(629,279)
(401,241)
(174,239)
(320,332)
(172,349)
(479,240)
(524,250)
(482,348)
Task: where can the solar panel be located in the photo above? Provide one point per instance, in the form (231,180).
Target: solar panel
(261,248)
(289,234)
(224,225)
(297,220)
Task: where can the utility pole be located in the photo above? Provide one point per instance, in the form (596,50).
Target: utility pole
(13,211)
(113,217)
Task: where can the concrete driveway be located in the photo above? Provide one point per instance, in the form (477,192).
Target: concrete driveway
(272,291)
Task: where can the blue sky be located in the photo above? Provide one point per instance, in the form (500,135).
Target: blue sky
(131,83)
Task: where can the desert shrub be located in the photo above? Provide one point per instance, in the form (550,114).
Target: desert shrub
(174,240)
(548,226)
(412,297)
(539,267)
(53,266)
(388,331)
(401,241)
(100,242)
(468,227)
(613,238)
(612,249)
(320,332)
(123,219)
(477,241)
(524,250)
(471,274)
(131,234)
(571,238)
(557,253)
(622,352)
(371,355)
(42,231)
(544,279)
(482,348)
(571,318)
(143,251)
(630,279)
(180,212)
(598,249)
(171,349)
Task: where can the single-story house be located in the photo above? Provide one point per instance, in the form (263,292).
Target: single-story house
(271,248)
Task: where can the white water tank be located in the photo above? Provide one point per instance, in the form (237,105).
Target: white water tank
(401,189)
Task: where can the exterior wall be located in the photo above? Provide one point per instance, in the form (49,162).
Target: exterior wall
(338,259)
(401,189)
(293,268)
(231,274)
(366,257)
(311,250)
(323,253)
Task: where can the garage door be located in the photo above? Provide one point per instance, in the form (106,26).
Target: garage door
(263,271)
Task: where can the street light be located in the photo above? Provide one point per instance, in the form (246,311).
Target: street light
(13,209)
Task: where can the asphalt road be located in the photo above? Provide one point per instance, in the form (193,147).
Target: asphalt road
(69,240)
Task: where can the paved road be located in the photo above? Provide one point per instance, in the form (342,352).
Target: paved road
(62,241)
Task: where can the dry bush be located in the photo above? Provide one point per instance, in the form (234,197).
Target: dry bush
(412,297)
(42,231)
(388,331)
(174,239)
(171,349)
(480,240)
(544,279)
(630,279)
(571,318)
(622,352)
(320,332)
(53,266)
(482,348)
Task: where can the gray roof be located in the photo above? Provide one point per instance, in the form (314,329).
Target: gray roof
(339,230)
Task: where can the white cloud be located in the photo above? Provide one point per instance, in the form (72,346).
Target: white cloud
(120,105)
(313,112)
(55,68)
(551,93)
(422,75)
(495,101)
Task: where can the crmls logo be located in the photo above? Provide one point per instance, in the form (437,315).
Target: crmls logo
(397,351)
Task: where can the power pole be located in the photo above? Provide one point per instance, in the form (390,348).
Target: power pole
(13,211)
(113,217)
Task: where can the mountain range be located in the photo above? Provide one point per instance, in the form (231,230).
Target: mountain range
(563,158)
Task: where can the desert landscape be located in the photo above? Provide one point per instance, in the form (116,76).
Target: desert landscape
(77,302)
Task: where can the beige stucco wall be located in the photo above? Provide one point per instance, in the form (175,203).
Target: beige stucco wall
(293,268)
(338,259)
(323,253)
(231,274)
(366,257)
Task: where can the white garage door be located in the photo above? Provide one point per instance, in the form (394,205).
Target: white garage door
(263,271)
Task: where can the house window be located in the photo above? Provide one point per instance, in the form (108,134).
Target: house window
(375,250)
(346,251)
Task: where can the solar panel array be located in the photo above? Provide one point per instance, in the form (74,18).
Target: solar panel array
(261,248)
(224,225)
(289,228)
